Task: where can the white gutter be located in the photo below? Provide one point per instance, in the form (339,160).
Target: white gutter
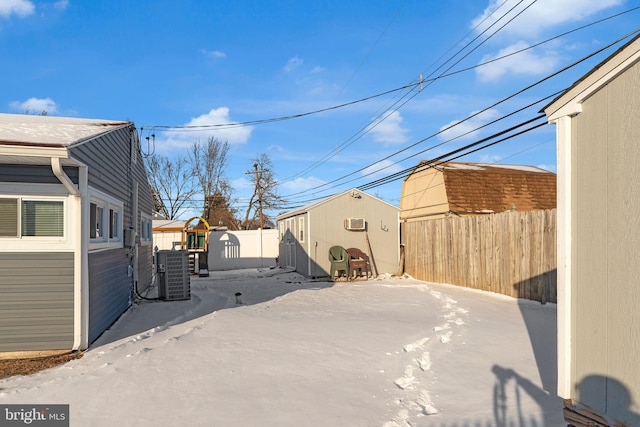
(64,179)
(80,235)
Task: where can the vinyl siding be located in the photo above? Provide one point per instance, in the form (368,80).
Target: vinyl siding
(38,174)
(108,289)
(36,301)
(607,247)
(111,171)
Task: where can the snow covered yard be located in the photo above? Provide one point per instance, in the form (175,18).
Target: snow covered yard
(387,352)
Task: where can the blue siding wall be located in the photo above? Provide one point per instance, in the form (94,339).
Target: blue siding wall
(36,301)
(108,289)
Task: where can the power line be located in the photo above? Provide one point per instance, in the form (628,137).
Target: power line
(481,111)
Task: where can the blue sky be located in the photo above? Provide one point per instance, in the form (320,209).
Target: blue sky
(183,63)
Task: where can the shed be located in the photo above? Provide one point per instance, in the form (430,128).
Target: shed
(456,188)
(75,229)
(306,234)
(598,133)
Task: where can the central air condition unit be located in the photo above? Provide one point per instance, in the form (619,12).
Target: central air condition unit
(355,224)
(174,282)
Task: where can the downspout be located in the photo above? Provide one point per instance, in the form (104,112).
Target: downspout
(80,235)
(62,177)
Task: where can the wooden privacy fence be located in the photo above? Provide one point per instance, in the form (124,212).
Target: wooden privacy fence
(511,253)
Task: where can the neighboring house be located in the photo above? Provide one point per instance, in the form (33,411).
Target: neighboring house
(75,229)
(598,135)
(455,188)
(307,233)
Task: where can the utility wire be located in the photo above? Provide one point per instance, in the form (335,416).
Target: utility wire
(413,84)
(392,109)
(481,111)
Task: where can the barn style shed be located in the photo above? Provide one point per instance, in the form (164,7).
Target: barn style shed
(349,219)
(598,133)
(75,229)
(458,188)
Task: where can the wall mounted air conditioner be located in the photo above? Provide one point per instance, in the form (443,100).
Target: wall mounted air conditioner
(355,224)
(172,270)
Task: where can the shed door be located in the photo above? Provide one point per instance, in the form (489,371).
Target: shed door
(291,244)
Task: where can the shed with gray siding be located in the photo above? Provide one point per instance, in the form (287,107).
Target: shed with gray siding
(598,133)
(75,229)
(306,234)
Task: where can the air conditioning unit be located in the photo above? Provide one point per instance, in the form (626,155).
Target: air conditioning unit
(172,270)
(355,224)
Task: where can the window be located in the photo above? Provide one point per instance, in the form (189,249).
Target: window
(9,218)
(105,221)
(42,218)
(301,229)
(146,225)
(22,217)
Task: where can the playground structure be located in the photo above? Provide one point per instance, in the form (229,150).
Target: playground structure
(195,240)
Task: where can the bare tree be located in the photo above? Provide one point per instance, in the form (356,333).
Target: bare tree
(265,194)
(173,184)
(209,166)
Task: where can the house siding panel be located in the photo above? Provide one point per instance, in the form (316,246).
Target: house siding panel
(38,174)
(623,244)
(112,171)
(109,290)
(607,263)
(590,249)
(36,301)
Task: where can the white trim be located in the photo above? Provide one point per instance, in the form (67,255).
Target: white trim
(146,222)
(108,203)
(311,260)
(30,151)
(570,103)
(35,243)
(564,285)
(81,265)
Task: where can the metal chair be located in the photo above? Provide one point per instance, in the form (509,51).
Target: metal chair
(339,260)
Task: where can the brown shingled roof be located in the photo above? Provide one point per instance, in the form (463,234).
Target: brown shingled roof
(483,188)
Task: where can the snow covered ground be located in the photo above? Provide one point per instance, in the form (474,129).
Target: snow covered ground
(387,352)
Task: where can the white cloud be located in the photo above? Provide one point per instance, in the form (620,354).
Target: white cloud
(299,184)
(35,105)
(542,15)
(490,158)
(381,169)
(292,64)
(526,62)
(216,54)
(20,8)
(466,129)
(389,130)
(61,4)
(216,123)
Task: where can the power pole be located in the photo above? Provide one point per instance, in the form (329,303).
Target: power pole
(258,190)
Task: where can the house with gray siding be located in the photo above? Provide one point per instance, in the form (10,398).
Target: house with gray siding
(75,229)
(306,234)
(598,137)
